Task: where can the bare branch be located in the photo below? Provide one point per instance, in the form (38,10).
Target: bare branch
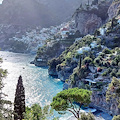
(72,113)
(72,105)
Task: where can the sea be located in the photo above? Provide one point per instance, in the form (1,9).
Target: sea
(39,86)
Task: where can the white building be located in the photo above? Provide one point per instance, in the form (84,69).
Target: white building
(81,50)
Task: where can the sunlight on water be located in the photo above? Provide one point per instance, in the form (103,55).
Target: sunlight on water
(39,86)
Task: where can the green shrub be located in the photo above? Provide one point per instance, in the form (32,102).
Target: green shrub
(118,73)
(77,56)
(116,117)
(86,60)
(118,51)
(117,59)
(113,73)
(73,77)
(105,73)
(82,72)
(109,70)
(88,116)
(105,64)
(68,60)
(99,41)
(68,57)
(113,63)
(99,47)
(97,61)
(119,64)
(102,55)
(66,80)
(106,51)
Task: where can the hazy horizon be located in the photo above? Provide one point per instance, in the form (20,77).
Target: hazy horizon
(1,1)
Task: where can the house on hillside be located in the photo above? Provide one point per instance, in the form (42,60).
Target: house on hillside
(64,32)
(81,50)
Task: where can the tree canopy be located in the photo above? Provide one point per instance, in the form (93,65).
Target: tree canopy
(35,112)
(116,117)
(19,102)
(66,99)
(5,112)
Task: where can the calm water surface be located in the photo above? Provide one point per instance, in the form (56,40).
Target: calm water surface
(39,86)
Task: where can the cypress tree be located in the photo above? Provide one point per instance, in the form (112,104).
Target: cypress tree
(19,102)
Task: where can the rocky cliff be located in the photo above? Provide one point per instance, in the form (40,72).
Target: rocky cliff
(51,50)
(87,23)
(91,17)
(113,10)
(89,64)
(16,17)
(99,102)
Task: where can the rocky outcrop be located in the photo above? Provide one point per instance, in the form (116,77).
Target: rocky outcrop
(52,67)
(99,102)
(64,72)
(87,23)
(50,51)
(40,63)
(113,9)
(89,18)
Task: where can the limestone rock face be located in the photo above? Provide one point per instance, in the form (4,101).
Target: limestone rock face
(99,101)
(113,9)
(64,73)
(91,17)
(52,72)
(87,23)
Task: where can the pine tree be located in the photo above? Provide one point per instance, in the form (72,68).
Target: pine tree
(5,105)
(19,102)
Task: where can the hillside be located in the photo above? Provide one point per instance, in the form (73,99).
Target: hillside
(77,47)
(37,12)
(16,13)
(18,17)
(93,62)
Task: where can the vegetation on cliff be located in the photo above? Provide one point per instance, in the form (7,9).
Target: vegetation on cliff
(66,99)
(36,112)
(113,91)
(70,55)
(5,112)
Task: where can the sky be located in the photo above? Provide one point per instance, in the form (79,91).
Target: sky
(1,1)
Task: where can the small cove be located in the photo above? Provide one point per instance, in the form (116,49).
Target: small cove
(39,86)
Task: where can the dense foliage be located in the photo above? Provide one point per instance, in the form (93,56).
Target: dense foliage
(19,102)
(114,91)
(5,112)
(66,99)
(116,117)
(88,116)
(35,112)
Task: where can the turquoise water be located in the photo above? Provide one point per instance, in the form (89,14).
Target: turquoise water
(39,86)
